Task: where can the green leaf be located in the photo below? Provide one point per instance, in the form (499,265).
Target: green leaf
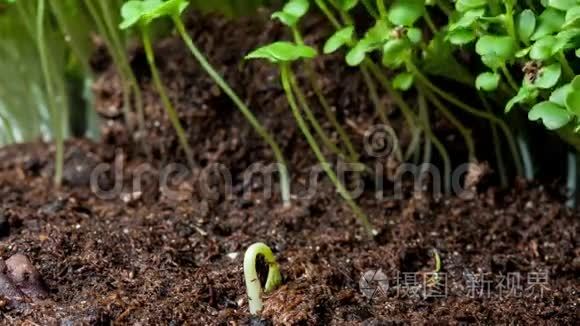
(283,52)
(394,52)
(357,54)
(524,95)
(559,95)
(139,12)
(339,39)
(573,102)
(347,5)
(548,76)
(572,18)
(468,19)
(576,83)
(552,115)
(562,4)
(403,81)
(523,52)
(169,8)
(567,39)
(406,12)
(460,36)
(292,12)
(549,22)
(465,5)
(577,52)
(542,48)
(526,24)
(487,81)
(415,35)
(502,47)
(377,34)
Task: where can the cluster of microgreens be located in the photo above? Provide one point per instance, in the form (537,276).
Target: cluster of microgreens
(413,47)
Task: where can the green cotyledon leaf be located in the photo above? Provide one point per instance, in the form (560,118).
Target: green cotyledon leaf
(552,115)
(283,52)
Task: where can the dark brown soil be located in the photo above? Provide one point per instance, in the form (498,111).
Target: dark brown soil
(147,259)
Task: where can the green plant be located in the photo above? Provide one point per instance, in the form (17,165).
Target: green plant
(283,54)
(141,14)
(152,10)
(253,286)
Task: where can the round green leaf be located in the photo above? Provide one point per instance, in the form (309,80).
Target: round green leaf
(526,24)
(487,81)
(562,4)
(357,54)
(572,18)
(548,76)
(542,49)
(338,39)
(403,81)
(283,52)
(552,115)
(460,36)
(559,95)
(292,12)
(415,35)
(502,47)
(406,12)
(549,22)
(573,102)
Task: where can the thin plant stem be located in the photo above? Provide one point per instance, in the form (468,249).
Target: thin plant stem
(566,68)
(496,145)
(438,145)
(315,125)
(171,112)
(463,130)
(410,117)
(285,181)
(286,76)
(124,61)
(329,15)
(379,107)
(485,115)
(369,8)
(382,9)
(364,68)
(510,78)
(116,59)
(51,95)
(312,78)
(445,7)
(430,22)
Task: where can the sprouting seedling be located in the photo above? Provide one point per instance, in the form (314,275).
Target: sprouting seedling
(149,10)
(253,286)
(141,14)
(434,279)
(283,54)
